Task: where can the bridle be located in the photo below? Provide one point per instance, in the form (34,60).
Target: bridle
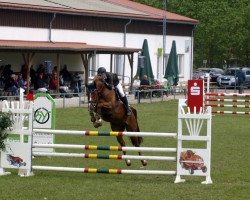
(92,104)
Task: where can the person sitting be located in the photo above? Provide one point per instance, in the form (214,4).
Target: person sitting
(11,85)
(62,87)
(21,82)
(53,82)
(39,84)
(144,85)
(111,79)
(54,86)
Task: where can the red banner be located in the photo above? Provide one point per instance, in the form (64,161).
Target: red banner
(195,94)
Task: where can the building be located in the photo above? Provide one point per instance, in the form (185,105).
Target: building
(28,27)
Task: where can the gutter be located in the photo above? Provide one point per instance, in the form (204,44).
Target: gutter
(192,54)
(50,27)
(124,45)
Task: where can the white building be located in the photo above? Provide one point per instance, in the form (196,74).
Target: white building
(115,23)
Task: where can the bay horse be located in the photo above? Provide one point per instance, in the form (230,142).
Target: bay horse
(104,104)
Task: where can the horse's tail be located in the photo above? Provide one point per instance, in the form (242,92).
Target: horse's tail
(135,114)
(139,140)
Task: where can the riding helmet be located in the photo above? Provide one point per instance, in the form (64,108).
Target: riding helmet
(101,70)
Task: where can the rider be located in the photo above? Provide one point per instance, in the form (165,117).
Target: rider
(112,79)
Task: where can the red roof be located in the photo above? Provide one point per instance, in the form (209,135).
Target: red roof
(134,10)
(153,12)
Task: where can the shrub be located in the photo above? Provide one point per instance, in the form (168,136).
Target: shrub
(5,123)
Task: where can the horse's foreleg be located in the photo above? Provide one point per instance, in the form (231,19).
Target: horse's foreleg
(92,116)
(96,119)
(122,143)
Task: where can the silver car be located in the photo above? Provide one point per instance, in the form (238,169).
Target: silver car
(229,78)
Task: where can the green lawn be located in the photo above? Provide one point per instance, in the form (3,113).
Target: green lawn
(230,163)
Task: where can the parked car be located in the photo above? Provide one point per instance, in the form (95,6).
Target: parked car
(203,72)
(230,79)
(215,73)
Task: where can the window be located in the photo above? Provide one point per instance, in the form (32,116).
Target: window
(181,64)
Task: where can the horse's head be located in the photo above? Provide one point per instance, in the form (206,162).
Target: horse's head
(95,88)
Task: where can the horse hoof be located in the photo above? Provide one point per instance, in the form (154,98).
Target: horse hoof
(128,162)
(144,162)
(96,125)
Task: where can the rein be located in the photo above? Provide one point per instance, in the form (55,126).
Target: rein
(93,104)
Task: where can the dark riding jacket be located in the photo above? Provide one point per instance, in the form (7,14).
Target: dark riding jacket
(112,79)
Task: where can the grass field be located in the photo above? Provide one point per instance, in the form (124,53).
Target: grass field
(230,163)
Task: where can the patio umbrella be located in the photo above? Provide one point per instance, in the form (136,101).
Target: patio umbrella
(144,63)
(171,72)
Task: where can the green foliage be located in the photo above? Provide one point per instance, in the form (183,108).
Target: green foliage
(5,123)
(223,32)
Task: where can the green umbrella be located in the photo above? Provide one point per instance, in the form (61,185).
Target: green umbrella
(172,72)
(144,63)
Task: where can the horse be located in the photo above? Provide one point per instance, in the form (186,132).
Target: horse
(104,105)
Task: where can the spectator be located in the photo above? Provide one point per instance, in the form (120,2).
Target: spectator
(145,82)
(144,85)
(24,70)
(32,75)
(21,82)
(241,79)
(40,69)
(62,87)
(39,84)
(65,74)
(47,71)
(11,85)
(54,86)
(77,83)
(53,82)
(136,85)
(7,72)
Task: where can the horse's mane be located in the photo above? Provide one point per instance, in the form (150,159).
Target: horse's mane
(102,88)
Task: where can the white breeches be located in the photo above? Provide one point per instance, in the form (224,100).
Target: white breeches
(120,90)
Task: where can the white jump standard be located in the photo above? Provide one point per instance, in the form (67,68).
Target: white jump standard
(189,161)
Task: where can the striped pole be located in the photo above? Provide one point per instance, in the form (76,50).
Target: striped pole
(225,105)
(105,148)
(104,156)
(229,100)
(228,94)
(233,100)
(230,112)
(104,133)
(104,171)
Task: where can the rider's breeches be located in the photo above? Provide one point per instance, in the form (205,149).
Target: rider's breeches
(120,90)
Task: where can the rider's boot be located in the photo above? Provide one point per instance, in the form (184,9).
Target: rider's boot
(125,102)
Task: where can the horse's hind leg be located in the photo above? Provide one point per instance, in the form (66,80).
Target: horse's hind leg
(120,140)
(136,141)
(132,125)
(122,143)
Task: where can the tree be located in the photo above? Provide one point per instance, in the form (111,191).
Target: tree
(223,32)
